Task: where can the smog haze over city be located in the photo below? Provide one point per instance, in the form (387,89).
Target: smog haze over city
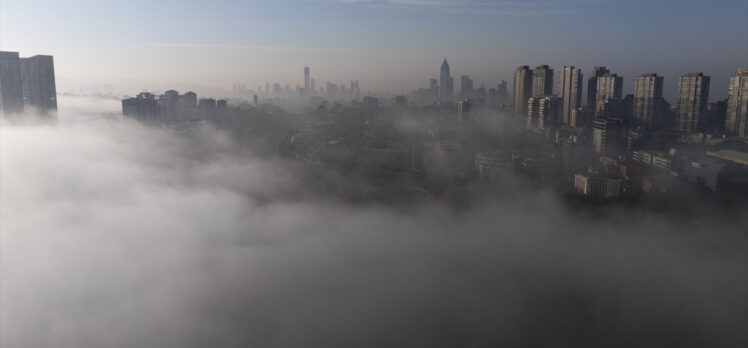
(374,173)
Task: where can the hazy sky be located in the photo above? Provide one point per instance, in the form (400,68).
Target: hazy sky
(389,45)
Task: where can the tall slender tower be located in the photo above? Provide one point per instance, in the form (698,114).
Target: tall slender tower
(522,89)
(737,104)
(446,83)
(693,97)
(307,83)
(647,100)
(542,81)
(597,72)
(571,92)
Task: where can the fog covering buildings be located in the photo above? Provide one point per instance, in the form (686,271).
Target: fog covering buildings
(27,84)
(170,107)
(402,220)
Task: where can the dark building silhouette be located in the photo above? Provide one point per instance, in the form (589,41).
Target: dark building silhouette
(11,87)
(27,84)
(144,107)
(401,100)
(307,82)
(188,100)
(446,83)
(597,72)
(466,86)
(522,89)
(502,92)
(38,80)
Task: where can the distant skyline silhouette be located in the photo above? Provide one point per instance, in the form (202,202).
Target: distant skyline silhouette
(389,46)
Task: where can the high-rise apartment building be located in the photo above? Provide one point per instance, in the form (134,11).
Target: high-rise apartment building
(542,81)
(434,89)
(607,136)
(38,81)
(693,97)
(466,86)
(11,90)
(648,100)
(522,89)
(446,83)
(503,91)
(543,112)
(609,86)
(571,93)
(597,72)
(737,104)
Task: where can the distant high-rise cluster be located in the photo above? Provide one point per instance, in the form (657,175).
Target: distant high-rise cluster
(170,107)
(27,84)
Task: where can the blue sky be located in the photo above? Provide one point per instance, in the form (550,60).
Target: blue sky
(388,45)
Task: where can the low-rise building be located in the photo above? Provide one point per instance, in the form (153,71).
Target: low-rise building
(597,187)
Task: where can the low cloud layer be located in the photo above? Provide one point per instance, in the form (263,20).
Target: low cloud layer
(115,235)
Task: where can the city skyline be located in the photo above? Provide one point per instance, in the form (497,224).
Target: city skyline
(177,46)
(385,173)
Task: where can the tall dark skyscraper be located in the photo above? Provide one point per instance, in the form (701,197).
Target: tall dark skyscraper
(542,81)
(446,83)
(522,89)
(466,86)
(503,91)
(693,97)
(11,90)
(434,89)
(307,82)
(648,100)
(571,91)
(737,104)
(597,72)
(38,80)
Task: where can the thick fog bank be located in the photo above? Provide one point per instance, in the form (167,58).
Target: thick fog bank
(116,235)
